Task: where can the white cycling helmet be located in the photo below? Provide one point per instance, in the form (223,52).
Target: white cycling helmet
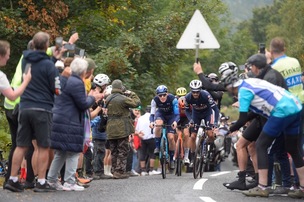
(195,85)
(228,71)
(101,79)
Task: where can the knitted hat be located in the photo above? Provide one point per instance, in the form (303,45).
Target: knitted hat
(117,84)
(91,63)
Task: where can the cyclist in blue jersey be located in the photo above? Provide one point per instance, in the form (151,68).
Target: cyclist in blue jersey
(164,109)
(203,107)
(283,111)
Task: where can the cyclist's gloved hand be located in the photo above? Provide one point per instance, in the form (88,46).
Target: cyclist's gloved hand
(191,123)
(174,124)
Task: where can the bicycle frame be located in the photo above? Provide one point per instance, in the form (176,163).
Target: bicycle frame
(179,151)
(164,149)
(165,139)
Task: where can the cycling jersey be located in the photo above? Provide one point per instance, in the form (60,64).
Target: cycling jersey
(291,70)
(169,107)
(201,107)
(266,99)
(181,106)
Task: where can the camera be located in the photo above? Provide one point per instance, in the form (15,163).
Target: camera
(262,48)
(69,47)
(58,42)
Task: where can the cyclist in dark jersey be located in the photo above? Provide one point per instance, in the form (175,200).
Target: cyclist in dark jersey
(203,107)
(164,109)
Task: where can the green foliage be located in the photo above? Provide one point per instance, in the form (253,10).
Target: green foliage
(5,138)
(232,112)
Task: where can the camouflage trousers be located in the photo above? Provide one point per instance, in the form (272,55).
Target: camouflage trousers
(119,152)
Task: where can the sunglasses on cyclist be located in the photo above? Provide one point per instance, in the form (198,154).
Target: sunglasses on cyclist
(195,92)
(162,95)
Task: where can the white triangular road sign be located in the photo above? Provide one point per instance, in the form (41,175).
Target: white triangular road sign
(198,27)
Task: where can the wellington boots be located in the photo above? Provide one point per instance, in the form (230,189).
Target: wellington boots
(254,183)
(238,184)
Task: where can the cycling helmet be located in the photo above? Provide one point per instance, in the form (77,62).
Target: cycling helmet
(101,79)
(161,89)
(181,91)
(196,85)
(213,76)
(228,71)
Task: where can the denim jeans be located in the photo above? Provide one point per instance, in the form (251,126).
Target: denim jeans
(98,156)
(135,162)
(278,153)
(70,159)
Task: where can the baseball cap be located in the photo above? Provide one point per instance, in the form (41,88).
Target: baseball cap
(259,60)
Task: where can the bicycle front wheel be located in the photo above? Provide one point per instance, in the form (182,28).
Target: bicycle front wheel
(163,157)
(203,160)
(197,161)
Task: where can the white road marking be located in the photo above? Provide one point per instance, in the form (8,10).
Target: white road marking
(207,199)
(199,184)
(220,173)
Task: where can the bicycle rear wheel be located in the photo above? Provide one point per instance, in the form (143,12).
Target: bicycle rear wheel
(197,162)
(178,159)
(163,160)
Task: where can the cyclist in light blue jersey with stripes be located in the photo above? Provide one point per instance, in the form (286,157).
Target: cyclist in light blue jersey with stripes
(283,111)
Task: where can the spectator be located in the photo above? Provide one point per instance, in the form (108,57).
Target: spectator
(35,118)
(67,129)
(5,87)
(11,112)
(146,151)
(118,105)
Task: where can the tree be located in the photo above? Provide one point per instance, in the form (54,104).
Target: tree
(20,20)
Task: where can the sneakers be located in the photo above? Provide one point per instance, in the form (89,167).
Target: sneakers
(58,186)
(239,184)
(101,176)
(83,180)
(257,191)
(43,187)
(73,187)
(120,175)
(154,172)
(144,173)
(133,173)
(254,182)
(279,190)
(83,185)
(172,165)
(13,186)
(191,164)
(296,194)
(186,161)
(156,151)
(29,185)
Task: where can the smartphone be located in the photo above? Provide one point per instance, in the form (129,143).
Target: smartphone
(262,48)
(69,47)
(27,67)
(58,42)
(81,53)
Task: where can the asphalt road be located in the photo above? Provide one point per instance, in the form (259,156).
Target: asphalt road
(151,188)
